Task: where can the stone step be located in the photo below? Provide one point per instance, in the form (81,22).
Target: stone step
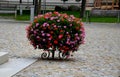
(3,57)
(14,65)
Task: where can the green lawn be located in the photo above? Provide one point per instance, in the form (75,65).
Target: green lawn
(23,17)
(99,19)
(26,17)
(102,19)
(7,15)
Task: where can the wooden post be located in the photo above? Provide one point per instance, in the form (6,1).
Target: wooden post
(112,4)
(20,1)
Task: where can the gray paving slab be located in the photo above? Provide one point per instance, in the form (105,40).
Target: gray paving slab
(98,57)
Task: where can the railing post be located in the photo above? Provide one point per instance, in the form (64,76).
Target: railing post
(21,11)
(32,13)
(118,20)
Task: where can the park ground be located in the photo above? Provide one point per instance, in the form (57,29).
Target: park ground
(98,57)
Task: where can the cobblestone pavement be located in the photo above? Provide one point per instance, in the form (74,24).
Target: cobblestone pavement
(99,57)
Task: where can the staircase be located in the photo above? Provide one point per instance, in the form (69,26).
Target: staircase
(3,57)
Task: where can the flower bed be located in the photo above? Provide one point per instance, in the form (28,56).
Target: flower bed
(56,31)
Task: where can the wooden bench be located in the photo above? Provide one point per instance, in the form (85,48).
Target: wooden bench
(6,8)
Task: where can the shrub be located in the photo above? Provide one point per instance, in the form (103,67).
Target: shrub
(61,8)
(73,8)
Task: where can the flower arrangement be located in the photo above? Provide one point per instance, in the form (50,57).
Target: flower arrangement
(56,31)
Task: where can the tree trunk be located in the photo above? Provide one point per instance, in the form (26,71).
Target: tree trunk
(119,5)
(83,8)
(36,6)
(20,1)
(39,7)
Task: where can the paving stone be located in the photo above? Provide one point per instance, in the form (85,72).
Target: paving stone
(98,57)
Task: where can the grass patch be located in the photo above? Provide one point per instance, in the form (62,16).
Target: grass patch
(23,17)
(100,19)
(75,13)
(7,16)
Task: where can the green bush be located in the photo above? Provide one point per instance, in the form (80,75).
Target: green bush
(73,8)
(61,8)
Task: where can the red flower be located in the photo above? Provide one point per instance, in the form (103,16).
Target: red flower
(56,13)
(77,28)
(35,21)
(51,32)
(55,42)
(61,31)
(60,36)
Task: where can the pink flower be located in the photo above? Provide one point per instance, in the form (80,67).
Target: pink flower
(27,28)
(31,30)
(76,34)
(61,44)
(78,38)
(35,32)
(82,29)
(47,25)
(54,26)
(67,32)
(43,39)
(48,34)
(68,43)
(49,38)
(82,42)
(37,24)
(44,24)
(38,38)
(58,20)
(52,18)
(72,16)
(56,13)
(65,27)
(82,35)
(59,15)
(81,23)
(42,31)
(35,17)
(68,39)
(43,34)
(39,16)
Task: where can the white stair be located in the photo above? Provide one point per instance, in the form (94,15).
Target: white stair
(14,65)
(3,57)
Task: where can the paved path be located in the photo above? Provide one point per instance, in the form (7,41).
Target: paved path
(99,57)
